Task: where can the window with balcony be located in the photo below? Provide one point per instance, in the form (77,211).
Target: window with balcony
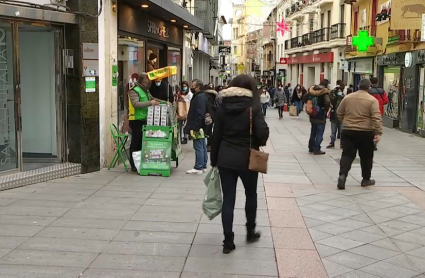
(235,49)
(329,19)
(342,14)
(311,24)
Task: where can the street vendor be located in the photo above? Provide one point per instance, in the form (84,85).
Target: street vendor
(139,101)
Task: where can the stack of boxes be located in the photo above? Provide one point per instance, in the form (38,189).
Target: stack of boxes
(158,115)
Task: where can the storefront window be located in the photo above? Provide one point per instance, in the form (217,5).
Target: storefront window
(421,115)
(8,142)
(174,59)
(391,86)
(131,62)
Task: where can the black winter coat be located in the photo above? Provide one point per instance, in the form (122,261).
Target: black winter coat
(231,141)
(196,114)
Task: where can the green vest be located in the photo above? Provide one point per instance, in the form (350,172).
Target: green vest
(139,113)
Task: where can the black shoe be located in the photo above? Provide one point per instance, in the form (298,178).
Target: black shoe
(310,151)
(252,236)
(319,152)
(368,182)
(341,146)
(184,141)
(375,148)
(338,137)
(228,244)
(341,182)
(331,146)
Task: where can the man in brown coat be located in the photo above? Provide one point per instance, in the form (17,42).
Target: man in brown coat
(362,127)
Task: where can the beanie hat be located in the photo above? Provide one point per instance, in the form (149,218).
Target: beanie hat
(152,56)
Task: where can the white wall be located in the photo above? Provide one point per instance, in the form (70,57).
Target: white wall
(37,65)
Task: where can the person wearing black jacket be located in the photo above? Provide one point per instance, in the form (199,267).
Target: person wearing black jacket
(195,126)
(159,90)
(230,152)
(211,97)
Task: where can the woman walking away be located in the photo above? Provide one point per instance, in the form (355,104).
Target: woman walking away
(231,149)
(297,97)
(265,100)
(280,100)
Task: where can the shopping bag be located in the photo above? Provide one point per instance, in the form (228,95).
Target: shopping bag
(213,200)
(137,158)
(292,110)
(182,110)
(285,108)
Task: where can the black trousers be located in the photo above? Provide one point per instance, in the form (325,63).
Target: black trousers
(229,179)
(136,138)
(280,111)
(353,141)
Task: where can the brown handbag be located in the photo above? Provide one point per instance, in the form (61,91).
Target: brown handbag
(257,159)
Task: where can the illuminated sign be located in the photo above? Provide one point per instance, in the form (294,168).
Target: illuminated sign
(159,30)
(363,41)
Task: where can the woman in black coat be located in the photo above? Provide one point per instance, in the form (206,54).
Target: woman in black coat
(231,148)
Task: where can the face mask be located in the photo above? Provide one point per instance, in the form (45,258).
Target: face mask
(339,94)
(192,90)
(184,89)
(158,84)
(280,88)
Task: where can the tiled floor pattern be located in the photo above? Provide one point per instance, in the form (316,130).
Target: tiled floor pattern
(361,233)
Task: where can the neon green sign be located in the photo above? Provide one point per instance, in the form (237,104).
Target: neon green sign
(363,41)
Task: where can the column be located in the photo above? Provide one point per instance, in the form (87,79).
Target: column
(108,60)
(82,106)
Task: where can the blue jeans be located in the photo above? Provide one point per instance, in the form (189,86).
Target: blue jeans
(265,105)
(201,155)
(316,136)
(299,105)
(336,129)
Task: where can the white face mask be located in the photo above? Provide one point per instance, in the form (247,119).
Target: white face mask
(158,84)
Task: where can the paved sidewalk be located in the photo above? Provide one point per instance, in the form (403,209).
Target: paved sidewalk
(116,224)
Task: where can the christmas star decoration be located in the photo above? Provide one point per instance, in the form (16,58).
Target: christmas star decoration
(283,27)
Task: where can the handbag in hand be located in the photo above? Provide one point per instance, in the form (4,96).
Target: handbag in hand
(257,159)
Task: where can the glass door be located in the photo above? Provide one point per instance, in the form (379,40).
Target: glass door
(9,100)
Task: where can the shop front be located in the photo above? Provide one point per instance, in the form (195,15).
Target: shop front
(360,69)
(419,62)
(32,97)
(313,68)
(400,90)
(145,42)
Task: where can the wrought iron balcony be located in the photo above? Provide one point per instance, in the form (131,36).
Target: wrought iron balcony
(338,31)
(307,39)
(371,29)
(321,35)
(295,42)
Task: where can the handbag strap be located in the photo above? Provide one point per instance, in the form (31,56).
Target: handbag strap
(250,127)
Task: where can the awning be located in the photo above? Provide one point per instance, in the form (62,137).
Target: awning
(167,10)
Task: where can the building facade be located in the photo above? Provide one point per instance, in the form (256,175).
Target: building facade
(396,57)
(317,41)
(269,44)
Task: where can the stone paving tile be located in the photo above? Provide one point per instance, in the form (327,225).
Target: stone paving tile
(243,253)
(112,273)
(155,237)
(218,275)
(340,242)
(350,260)
(217,240)
(146,249)
(228,266)
(161,226)
(48,258)
(26,271)
(286,219)
(386,270)
(334,269)
(374,252)
(299,263)
(357,274)
(77,233)
(30,220)
(292,238)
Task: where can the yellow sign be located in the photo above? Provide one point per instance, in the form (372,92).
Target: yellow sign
(162,73)
(241,67)
(407,14)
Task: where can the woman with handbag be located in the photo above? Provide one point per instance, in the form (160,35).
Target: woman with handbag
(239,131)
(183,98)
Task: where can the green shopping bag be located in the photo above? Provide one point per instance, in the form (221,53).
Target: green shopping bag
(213,201)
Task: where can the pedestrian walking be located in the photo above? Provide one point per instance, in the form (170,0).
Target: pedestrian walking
(195,127)
(280,100)
(272,92)
(139,101)
(288,92)
(212,96)
(380,95)
(317,106)
(297,97)
(336,97)
(362,127)
(265,100)
(183,98)
(231,150)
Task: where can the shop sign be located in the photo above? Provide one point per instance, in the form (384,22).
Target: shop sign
(157,29)
(363,66)
(407,14)
(311,59)
(162,73)
(343,65)
(224,49)
(392,40)
(393,59)
(283,61)
(363,41)
(90,51)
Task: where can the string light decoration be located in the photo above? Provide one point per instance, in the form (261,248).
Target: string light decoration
(282,27)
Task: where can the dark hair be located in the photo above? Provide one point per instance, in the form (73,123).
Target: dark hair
(185,83)
(364,84)
(206,87)
(374,80)
(349,91)
(324,82)
(247,82)
(198,83)
(142,77)
(338,82)
(218,88)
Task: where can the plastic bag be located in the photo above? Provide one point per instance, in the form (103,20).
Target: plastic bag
(213,200)
(137,158)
